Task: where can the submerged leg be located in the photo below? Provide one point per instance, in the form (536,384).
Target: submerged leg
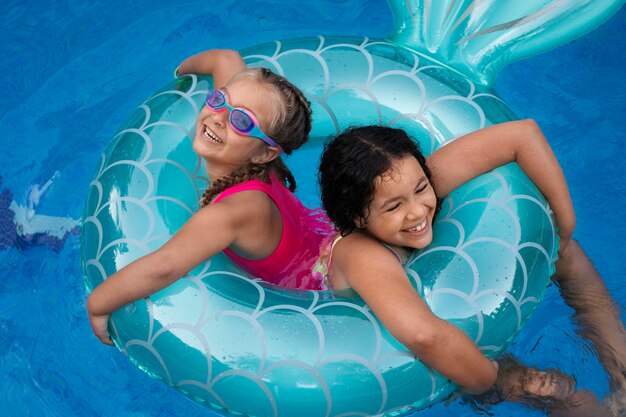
(581,404)
(597,315)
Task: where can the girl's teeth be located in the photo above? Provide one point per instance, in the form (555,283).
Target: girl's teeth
(418,228)
(211,136)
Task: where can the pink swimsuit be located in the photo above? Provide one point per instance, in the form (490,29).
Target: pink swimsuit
(304,230)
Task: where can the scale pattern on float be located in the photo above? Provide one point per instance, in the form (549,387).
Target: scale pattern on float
(248,347)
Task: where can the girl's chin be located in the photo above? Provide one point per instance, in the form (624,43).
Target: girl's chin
(199,148)
(420,242)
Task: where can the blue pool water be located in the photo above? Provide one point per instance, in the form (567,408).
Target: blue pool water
(72,73)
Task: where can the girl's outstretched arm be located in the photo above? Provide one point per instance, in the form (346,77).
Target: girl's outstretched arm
(222,64)
(209,231)
(519,141)
(374,272)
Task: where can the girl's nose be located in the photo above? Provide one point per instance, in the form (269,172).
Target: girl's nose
(220,119)
(416,209)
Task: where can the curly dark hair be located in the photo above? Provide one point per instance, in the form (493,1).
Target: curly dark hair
(350,164)
(290,127)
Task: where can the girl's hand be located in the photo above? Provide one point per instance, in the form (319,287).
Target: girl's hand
(99,325)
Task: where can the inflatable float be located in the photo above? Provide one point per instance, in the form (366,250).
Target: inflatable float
(245,347)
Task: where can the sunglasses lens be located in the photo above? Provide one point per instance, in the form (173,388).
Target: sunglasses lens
(241,121)
(215,99)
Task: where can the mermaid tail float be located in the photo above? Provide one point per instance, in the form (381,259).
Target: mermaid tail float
(245,347)
(480,37)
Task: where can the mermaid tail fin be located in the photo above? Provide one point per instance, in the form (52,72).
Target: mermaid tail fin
(480,37)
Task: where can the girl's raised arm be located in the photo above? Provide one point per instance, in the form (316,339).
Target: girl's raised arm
(222,64)
(519,141)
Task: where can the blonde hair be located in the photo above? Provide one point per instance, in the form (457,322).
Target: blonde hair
(289,126)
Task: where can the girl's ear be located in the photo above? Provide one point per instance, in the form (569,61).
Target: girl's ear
(361,222)
(268,154)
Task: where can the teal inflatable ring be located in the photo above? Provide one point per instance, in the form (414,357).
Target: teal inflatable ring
(246,347)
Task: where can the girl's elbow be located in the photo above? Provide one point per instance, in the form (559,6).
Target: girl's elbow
(532,129)
(158,269)
(91,304)
(95,304)
(232,57)
(530,124)
(424,343)
(430,336)
(166,269)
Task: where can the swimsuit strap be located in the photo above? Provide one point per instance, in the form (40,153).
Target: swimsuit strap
(395,252)
(332,246)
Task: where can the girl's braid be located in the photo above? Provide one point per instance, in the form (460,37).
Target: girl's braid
(245,173)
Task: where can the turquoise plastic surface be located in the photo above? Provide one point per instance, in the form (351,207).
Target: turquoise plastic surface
(246,347)
(479,38)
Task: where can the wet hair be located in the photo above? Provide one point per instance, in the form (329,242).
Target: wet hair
(350,165)
(290,127)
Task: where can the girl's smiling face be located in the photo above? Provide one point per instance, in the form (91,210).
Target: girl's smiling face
(218,143)
(404,205)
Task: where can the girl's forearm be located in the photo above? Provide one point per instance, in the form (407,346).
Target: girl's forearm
(207,232)
(137,280)
(519,141)
(538,161)
(451,353)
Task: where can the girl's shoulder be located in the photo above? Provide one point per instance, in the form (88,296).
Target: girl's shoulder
(246,205)
(359,259)
(358,247)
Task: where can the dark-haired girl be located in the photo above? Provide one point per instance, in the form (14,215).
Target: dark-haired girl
(382,195)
